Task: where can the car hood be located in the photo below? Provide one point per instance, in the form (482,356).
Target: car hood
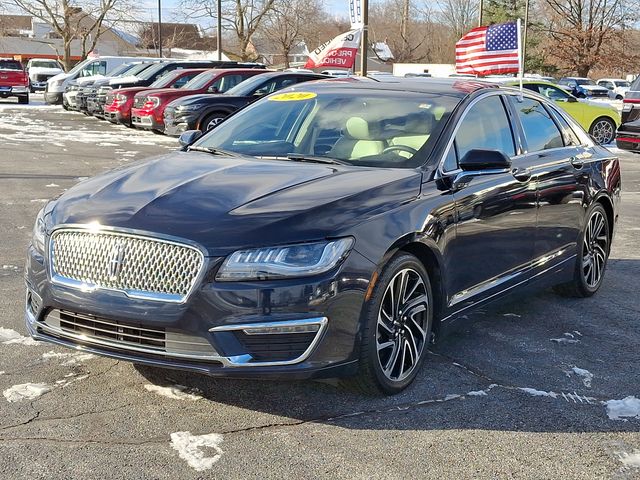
(127,79)
(201,98)
(593,88)
(225,203)
(168,92)
(45,70)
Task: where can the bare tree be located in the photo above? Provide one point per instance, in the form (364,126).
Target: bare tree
(241,17)
(459,15)
(584,33)
(82,20)
(286,25)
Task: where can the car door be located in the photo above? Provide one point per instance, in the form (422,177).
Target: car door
(559,168)
(495,213)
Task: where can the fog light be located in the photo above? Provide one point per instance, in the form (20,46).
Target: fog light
(282,329)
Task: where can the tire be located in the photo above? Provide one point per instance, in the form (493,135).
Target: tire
(389,336)
(591,260)
(23,100)
(619,97)
(603,130)
(212,120)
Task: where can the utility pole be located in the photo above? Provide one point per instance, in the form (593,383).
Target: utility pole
(480,13)
(160,28)
(404,26)
(219,30)
(364,41)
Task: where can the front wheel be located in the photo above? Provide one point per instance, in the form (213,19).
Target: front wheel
(212,120)
(593,253)
(603,130)
(398,320)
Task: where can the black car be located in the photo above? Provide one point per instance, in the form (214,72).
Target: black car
(628,136)
(204,111)
(330,229)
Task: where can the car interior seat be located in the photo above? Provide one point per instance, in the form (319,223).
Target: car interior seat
(360,139)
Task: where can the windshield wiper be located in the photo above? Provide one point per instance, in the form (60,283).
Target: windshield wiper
(297,157)
(213,151)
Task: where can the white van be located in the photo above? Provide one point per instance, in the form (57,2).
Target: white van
(91,67)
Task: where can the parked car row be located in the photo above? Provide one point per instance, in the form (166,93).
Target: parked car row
(172,96)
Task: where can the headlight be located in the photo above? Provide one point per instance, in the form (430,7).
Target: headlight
(39,232)
(190,108)
(301,260)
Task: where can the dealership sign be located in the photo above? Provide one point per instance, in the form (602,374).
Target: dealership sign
(355,13)
(339,52)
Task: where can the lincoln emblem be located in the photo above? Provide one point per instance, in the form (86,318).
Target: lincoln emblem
(117,260)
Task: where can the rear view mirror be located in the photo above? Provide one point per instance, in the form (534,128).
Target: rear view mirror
(477,159)
(188,137)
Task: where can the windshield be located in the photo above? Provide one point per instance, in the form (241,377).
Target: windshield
(152,71)
(136,69)
(584,81)
(166,80)
(45,64)
(247,87)
(200,81)
(79,66)
(365,128)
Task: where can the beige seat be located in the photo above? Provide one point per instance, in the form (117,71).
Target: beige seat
(416,131)
(359,141)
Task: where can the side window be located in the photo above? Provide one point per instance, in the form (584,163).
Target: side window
(531,86)
(451,160)
(182,81)
(554,93)
(101,68)
(570,137)
(229,81)
(540,130)
(486,126)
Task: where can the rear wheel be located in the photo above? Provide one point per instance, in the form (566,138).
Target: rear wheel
(24,99)
(592,257)
(603,130)
(398,320)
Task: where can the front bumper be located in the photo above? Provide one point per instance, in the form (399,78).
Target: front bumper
(221,315)
(178,122)
(145,121)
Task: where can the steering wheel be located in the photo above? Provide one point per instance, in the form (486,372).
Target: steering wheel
(401,148)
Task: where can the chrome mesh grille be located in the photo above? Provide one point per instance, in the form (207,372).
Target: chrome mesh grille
(140,266)
(138,102)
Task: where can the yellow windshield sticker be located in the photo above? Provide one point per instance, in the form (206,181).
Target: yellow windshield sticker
(293,96)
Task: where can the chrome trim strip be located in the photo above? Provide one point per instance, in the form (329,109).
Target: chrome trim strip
(542,272)
(129,233)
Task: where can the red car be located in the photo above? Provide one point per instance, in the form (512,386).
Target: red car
(118,105)
(14,80)
(149,105)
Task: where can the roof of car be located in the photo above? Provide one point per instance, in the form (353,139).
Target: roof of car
(460,87)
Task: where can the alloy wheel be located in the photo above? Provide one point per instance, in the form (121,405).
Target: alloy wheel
(594,249)
(401,333)
(213,122)
(603,131)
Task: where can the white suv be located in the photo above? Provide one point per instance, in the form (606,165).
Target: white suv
(617,87)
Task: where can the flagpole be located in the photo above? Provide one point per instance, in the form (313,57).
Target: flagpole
(526,28)
(520,51)
(364,38)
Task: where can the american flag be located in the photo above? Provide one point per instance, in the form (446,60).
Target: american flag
(491,50)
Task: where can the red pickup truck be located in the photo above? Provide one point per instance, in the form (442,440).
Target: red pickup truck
(14,80)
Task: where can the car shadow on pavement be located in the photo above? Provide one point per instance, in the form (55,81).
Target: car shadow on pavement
(538,363)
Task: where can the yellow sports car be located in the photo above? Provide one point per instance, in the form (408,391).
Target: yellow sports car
(599,119)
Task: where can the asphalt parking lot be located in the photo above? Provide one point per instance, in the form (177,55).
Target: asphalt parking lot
(538,387)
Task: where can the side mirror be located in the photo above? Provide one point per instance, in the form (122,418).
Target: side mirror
(572,99)
(477,160)
(213,89)
(188,137)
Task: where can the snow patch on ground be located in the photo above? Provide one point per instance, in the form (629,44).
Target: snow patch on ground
(11,337)
(191,449)
(25,391)
(477,393)
(538,393)
(585,375)
(2,372)
(628,407)
(73,358)
(630,459)
(176,392)
(515,315)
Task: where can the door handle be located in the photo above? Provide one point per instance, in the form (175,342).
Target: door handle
(577,162)
(521,174)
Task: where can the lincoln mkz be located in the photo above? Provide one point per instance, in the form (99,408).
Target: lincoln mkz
(332,229)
